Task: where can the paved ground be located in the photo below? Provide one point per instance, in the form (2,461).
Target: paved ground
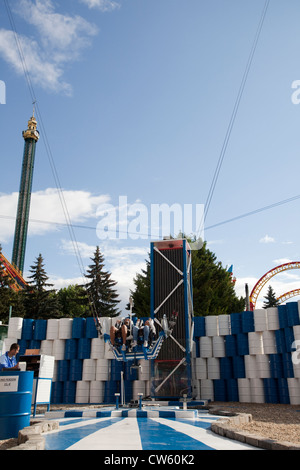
(160,434)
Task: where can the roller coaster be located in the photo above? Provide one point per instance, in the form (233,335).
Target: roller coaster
(18,283)
(266,277)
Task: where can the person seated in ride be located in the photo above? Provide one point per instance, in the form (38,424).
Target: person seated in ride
(146,332)
(121,330)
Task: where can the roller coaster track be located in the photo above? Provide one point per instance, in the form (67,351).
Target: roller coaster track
(266,277)
(18,283)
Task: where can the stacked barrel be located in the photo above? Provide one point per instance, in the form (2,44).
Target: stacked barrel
(248,356)
(85,370)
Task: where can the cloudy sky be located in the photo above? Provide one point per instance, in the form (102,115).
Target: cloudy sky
(136,99)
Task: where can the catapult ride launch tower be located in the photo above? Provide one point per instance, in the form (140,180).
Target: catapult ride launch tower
(171,291)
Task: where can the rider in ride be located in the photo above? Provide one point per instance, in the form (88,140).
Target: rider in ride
(146,332)
(121,330)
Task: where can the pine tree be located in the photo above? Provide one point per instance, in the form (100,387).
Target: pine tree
(40,301)
(141,294)
(100,288)
(271,300)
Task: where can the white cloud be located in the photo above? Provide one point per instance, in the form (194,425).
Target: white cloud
(41,71)
(267,239)
(103,5)
(46,206)
(280,261)
(57,39)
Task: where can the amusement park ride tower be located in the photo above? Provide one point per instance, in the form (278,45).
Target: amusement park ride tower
(31,136)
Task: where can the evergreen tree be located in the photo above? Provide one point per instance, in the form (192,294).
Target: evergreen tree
(40,301)
(141,294)
(100,288)
(72,302)
(213,289)
(271,300)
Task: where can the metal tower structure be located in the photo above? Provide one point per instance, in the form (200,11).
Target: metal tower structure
(31,136)
(171,290)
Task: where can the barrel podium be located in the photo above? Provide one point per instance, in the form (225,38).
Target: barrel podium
(15,402)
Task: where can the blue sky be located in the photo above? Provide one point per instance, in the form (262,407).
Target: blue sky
(136,98)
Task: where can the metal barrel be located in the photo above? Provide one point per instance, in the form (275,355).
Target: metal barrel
(15,402)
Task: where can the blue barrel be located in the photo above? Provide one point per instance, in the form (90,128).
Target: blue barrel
(84,348)
(276,366)
(76,366)
(242,344)
(199,327)
(238,367)
(232,390)
(69,392)
(90,328)
(282,315)
(78,328)
(15,405)
(27,329)
(280,341)
(220,391)
(40,330)
(71,348)
(289,338)
(283,392)
(63,370)
(271,391)
(248,322)
(236,323)
(226,368)
(230,345)
(288,369)
(57,392)
(292,314)
(130,373)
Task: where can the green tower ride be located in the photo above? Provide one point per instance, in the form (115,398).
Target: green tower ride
(31,136)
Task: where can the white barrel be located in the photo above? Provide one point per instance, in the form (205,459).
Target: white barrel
(102,369)
(263,366)
(218,345)
(255,343)
(52,329)
(273,319)
(211,325)
(294,390)
(207,389)
(144,371)
(257,391)
(260,319)
(65,328)
(96,391)
(205,346)
(250,367)
(46,347)
(269,342)
(296,330)
(213,368)
(244,390)
(138,386)
(15,328)
(224,325)
(82,392)
(89,369)
(106,323)
(201,368)
(58,350)
(97,348)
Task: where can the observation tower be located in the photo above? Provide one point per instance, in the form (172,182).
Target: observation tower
(31,137)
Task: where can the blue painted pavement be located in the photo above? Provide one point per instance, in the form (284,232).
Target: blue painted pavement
(131,433)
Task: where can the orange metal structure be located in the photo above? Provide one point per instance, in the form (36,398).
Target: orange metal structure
(18,283)
(266,277)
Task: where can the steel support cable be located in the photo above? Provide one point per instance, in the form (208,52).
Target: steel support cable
(47,146)
(233,117)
